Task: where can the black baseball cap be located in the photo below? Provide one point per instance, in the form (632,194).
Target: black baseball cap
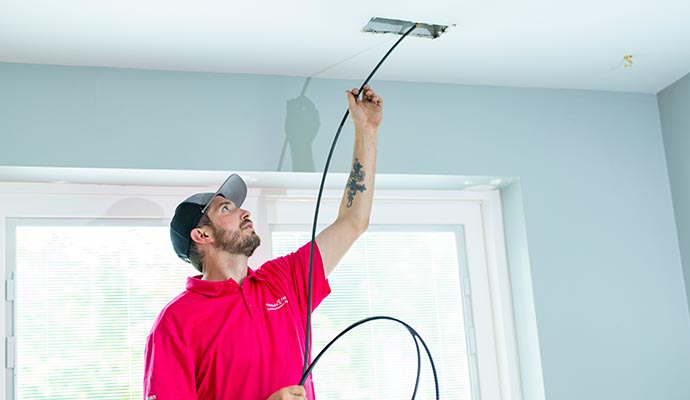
(189,212)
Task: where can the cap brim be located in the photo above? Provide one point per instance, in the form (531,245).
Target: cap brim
(233,189)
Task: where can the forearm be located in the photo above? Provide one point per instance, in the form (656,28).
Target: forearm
(355,206)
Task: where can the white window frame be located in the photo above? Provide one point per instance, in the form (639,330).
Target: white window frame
(155,194)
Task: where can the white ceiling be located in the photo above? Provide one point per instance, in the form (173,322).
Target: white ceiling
(523,43)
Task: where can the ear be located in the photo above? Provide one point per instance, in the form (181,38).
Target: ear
(201,235)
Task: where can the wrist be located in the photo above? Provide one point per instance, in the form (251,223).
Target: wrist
(366,130)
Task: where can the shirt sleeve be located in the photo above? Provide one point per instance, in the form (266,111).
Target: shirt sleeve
(294,269)
(169,368)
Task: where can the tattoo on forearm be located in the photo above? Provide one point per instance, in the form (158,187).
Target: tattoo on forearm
(353,184)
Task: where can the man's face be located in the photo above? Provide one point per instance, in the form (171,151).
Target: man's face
(232,229)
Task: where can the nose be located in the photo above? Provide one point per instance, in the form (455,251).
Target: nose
(245,214)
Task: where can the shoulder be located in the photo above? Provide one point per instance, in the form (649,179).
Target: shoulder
(174,312)
(290,273)
(297,259)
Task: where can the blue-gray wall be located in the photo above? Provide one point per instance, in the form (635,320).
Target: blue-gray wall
(593,196)
(674,109)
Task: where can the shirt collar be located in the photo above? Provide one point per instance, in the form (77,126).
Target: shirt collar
(215,288)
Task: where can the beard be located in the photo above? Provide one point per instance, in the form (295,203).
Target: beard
(236,243)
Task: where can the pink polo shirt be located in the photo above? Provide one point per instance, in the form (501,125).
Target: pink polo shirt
(220,340)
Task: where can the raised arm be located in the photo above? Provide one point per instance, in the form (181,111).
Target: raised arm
(355,206)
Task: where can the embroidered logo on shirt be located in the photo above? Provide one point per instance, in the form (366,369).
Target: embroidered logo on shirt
(152,397)
(277,305)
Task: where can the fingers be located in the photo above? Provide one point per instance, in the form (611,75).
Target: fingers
(296,392)
(352,98)
(368,95)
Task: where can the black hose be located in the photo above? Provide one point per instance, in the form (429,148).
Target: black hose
(414,334)
(307,343)
(307,340)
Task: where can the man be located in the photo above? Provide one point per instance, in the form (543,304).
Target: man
(237,333)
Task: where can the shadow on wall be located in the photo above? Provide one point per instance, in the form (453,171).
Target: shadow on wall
(302,124)
(135,206)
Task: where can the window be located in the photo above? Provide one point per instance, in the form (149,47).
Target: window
(85,294)
(89,268)
(431,259)
(409,273)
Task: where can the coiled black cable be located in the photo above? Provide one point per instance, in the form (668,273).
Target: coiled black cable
(307,342)
(415,336)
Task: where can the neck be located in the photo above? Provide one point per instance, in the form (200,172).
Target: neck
(221,266)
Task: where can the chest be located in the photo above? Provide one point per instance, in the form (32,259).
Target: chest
(256,325)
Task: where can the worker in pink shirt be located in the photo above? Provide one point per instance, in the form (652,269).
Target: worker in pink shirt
(237,333)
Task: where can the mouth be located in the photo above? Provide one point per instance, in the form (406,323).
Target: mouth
(247,224)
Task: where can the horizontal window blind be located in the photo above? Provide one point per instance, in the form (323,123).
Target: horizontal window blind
(88,295)
(410,274)
(86,299)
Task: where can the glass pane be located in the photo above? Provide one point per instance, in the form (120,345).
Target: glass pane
(86,299)
(411,275)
